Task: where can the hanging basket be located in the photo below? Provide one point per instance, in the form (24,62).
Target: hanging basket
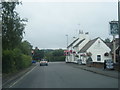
(76,56)
(106,54)
(89,54)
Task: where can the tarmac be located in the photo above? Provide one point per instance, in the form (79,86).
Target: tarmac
(109,73)
(0,81)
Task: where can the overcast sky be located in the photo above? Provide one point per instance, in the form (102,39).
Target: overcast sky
(49,22)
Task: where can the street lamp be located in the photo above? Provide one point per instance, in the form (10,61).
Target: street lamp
(67,40)
(67,49)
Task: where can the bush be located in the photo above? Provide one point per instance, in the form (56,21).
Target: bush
(18,58)
(26,61)
(14,60)
(8,63)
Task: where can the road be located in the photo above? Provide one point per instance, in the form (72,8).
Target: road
(62,75)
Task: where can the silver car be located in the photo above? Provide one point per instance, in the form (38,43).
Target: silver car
(43,62)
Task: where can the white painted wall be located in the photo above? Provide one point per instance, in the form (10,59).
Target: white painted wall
(99,49)
(82,36)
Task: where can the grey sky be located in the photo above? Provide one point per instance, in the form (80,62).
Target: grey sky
(49,22)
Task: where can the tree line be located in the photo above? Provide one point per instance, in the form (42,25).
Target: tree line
(16,53)
(49,54)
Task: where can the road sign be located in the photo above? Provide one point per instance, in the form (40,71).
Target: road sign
(114,27)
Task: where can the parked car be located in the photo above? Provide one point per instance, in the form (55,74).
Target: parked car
(43,62)
(79,61)
(108,64)
(33,61)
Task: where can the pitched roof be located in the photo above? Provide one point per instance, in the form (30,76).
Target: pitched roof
(79,42)
(110,44)
(73,42)
(88,45)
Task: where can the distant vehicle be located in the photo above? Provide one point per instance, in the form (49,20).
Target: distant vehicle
(43,62)
(33,61)
(79,61)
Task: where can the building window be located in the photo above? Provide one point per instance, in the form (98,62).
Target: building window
(98,57)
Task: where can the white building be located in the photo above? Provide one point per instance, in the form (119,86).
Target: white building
(83,48)
(70,55)
(75,47)
(97,48)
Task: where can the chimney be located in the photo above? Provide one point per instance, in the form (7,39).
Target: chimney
(87,36)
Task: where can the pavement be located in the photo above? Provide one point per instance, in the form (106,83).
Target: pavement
(106,72)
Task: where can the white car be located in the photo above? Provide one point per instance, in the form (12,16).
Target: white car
(43,62)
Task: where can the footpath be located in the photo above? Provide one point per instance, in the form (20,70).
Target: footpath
(106,72)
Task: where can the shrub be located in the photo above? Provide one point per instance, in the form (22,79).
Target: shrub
(8,63)
(14,60)
(26,60)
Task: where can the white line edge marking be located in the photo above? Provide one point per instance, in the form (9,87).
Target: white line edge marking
(22,77)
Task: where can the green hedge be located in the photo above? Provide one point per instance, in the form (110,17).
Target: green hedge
(8,64)
(26,61)
(14,60)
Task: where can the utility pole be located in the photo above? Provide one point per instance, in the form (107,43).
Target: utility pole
(114,49)
(119,26)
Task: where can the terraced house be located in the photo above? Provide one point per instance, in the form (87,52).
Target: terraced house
(83,48)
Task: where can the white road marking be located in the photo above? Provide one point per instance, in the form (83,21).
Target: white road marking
(22,77)
(0,81)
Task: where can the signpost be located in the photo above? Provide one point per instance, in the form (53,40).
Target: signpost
(114,30)
(109,64)
(114,27)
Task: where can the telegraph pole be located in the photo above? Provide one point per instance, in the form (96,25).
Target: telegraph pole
(119,26)
(114,49)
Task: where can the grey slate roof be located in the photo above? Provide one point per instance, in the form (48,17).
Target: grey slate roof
(87,45)
(79,42)
(73,42)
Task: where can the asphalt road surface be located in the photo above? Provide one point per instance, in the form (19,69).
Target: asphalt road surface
(62,75)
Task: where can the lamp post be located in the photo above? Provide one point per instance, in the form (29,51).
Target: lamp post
(67,40)
(67,49)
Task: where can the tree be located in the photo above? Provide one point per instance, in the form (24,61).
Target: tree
(12,25)
(25,47)
(15,53)
(55,55)
(38,54)
(107,40)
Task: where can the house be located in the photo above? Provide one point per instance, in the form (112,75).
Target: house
(79,45)
(70,51)
(96,49)
(75,46)
(84,48)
